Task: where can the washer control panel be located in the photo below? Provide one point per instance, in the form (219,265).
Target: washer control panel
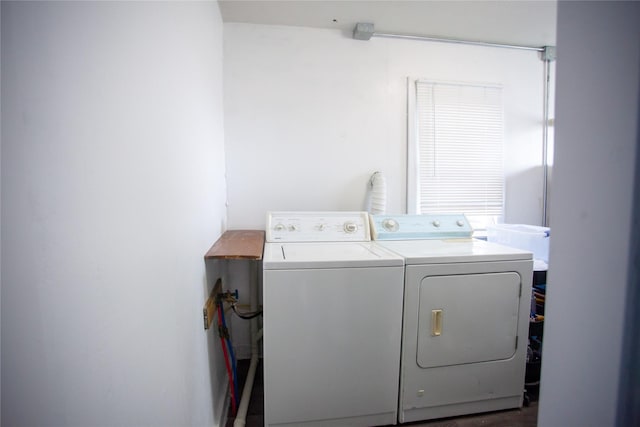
(427,226)
(308,226)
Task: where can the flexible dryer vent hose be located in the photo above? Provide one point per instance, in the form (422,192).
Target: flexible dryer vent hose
(377,193)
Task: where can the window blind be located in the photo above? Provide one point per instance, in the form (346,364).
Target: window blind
(460,149)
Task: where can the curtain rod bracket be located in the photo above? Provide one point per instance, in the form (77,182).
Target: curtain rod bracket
(363,31)
(549,53)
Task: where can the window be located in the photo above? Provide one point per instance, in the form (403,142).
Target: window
(456,150)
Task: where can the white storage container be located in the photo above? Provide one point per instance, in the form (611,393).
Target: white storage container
(530,238)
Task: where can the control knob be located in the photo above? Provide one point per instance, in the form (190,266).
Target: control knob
(390,224)
(436,223)
(350,227)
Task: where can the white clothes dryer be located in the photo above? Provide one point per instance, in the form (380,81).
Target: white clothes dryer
(466,317)
(332,304)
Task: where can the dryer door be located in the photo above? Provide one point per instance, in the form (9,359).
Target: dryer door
(467,318)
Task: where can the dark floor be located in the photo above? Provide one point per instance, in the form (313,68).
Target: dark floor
(527,416)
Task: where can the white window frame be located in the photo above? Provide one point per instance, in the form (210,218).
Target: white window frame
(413,153)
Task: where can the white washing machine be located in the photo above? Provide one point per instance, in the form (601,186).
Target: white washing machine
(466,317)
(332,322)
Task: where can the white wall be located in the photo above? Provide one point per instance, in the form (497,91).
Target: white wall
(310,114)
(112,191)
(597,110)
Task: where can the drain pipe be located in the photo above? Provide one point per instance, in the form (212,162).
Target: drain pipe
(256,335)
(548,55)
(241,417)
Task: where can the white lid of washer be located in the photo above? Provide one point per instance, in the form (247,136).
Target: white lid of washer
(453,250)
(328,255)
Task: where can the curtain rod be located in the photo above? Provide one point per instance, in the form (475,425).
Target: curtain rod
(475,43)
(364,31)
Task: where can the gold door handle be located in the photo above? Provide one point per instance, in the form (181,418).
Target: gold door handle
(436,323)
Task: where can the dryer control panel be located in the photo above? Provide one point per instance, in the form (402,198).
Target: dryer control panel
(427,226)
(308,226)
